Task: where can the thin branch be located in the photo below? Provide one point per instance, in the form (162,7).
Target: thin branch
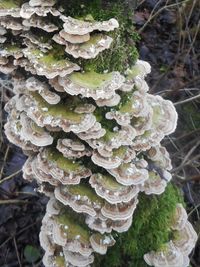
(18,233)
(195,208)
(187,100)
(4,161)
(10,176)
(152,16)
(13,201)
(186,157)
(17,253)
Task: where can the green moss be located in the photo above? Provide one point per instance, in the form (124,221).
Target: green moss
(109,135)
(133,72)
(36,129)
(12,48)
(108,125)
(109,182)
(85,190)
(60,261)
(62,162)
(122,53)
(61,110)
(125,98)
(72,227)
(8,4)
(120,152)
(53,60)
(150,230)
(94,39)
(90,79)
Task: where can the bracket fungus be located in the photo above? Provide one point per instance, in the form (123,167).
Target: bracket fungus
(82,27)
(10,8)
(176,251)
(89,126)
(91,84)
(87,50)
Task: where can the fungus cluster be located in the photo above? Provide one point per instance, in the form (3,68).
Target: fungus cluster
(92,138)
(176,251)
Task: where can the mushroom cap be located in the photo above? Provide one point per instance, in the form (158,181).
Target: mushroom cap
(113,140)
(130,174)
(27,11)
(34,3)
(95,132)
(185,239)
(60,115)
(169,257)
(40,174)
(68,232)
(113,101)
(135,106)
(140,69)
(47,64)
(12,23)
(81,27)
(55,84)
(108,188)
(160,156)
(113,160)
(119,211)
(60,168)
(105,162)
(77,259)
(154,185)
(81,198)
(72,148)
(38,40)
(13,129)
(87,50)
(10,8)
(100,243)
(180,218)
(92,84)
(33,85)
(164,114)
(74,39)
(38,136)
(105,225)
(40,23)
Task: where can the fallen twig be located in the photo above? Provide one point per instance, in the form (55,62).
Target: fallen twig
(13,201)
(187,100)
(10,176)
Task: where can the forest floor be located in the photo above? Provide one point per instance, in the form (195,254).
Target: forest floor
(170,41)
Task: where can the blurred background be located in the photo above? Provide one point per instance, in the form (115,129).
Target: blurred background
(169,38)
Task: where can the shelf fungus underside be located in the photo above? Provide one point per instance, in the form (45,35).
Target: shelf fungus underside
(92,138)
